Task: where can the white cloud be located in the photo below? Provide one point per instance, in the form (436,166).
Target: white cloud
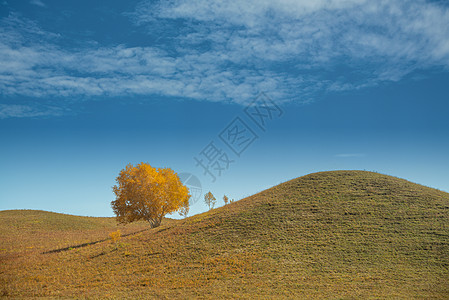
(26,111)
(232,51)
(38,3)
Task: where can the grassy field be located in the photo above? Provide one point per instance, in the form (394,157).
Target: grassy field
(338,235)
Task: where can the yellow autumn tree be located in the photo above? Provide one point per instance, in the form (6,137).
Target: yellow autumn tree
(210,200)
(146,193)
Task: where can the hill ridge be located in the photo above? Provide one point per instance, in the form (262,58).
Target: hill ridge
(334,234)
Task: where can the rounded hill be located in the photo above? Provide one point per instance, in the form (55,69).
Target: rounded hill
(339,234)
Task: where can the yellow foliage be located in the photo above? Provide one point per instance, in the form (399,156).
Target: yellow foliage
(146,193)
(210,200)
(115,236)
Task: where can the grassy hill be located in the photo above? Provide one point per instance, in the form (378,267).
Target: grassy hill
(341,234)
(29,231)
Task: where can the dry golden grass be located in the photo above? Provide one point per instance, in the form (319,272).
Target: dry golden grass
(344,235)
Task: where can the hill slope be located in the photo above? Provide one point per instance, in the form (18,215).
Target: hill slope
(27,231)
(330,234)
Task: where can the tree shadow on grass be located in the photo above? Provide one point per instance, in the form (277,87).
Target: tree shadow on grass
(88,244)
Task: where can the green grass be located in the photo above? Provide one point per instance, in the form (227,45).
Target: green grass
(38,220)
(37,231)
(338,235)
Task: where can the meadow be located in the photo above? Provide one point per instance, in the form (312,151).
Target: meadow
(337,235)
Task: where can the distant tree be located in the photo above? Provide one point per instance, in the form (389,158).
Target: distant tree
(225,199)
(210,200)
(146,193)
(184,211)
(231,201)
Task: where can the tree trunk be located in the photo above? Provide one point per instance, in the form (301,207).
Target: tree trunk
(154,222)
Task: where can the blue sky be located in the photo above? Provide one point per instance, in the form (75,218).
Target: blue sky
(87,87)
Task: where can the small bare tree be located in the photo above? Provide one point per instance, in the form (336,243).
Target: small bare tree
(184,211)
(210,200)
(225,199)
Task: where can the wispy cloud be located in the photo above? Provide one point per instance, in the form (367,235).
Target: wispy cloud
(26,111)
(349,155)
(38,3)
(231,51)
